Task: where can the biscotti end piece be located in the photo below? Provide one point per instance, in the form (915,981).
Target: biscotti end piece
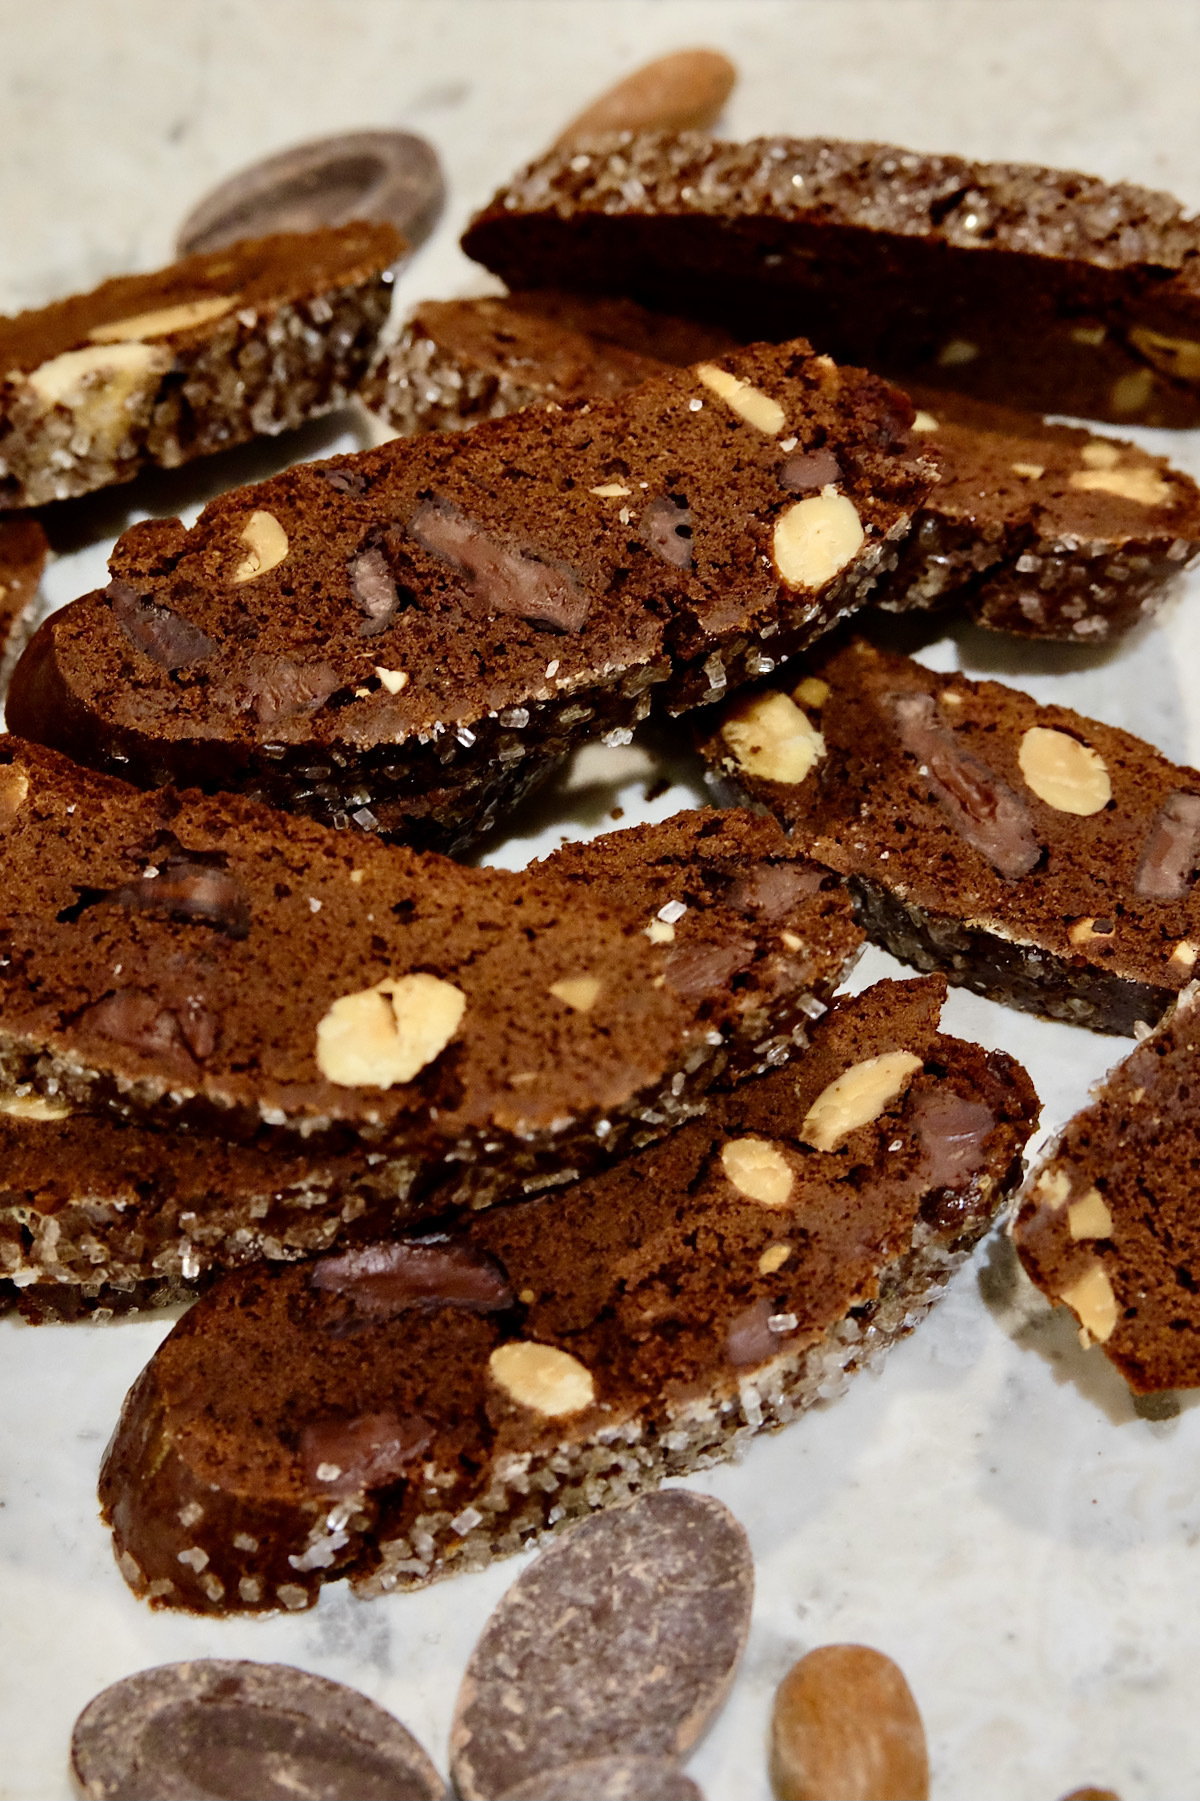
(1034,287)
(410,638)
(1040,858)
(419,1407)
(1108,1222)
(1042,530)
(158,369)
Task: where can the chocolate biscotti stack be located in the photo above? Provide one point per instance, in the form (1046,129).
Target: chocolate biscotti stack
(204,354)
(418,1406)
(225,1035)
(1037,287)
(1036,856)
(413,637)
(1038,529)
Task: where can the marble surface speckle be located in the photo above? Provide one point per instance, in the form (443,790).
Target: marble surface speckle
(991,1509)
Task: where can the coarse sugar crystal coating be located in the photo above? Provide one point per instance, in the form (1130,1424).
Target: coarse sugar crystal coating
(1043,288)
(1108,1220)
(176,1098)
(23,553)
(1039,857)
(414,1408)
(196,357)
(412,637)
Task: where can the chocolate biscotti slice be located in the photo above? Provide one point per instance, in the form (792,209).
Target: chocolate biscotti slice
(23,553)
(210,351)
(1036,856)
(412,637)
(1040,529)
(1033,528)
(209,965)
(1034,287)
(1109,1223)
(421,1406)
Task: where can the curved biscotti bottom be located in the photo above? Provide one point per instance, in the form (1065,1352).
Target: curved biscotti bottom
(1025,976)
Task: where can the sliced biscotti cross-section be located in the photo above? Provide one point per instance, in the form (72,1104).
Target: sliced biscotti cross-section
(210,351)
(208,965)
(1109,1223)
(1036,856)
(411,637)
(421,1406)
(1033,528)
(1034,287)
(23,553)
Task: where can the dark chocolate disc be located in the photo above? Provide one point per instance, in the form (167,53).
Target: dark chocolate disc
(620,1640)
(219,1727)
(609,1779)
(390,177)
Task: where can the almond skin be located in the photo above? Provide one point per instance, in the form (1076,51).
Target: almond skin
(681,92)
(846,1728)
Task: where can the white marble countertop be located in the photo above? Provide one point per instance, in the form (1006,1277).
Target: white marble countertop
(989,1510)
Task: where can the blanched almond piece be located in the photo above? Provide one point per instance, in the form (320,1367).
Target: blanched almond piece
(1090,1217)
(1092,1298)
(1067,775)
(1053,1186)
(14,786)
(577,992)
(267,543)
(845,1727)
(166,320)
(812,691)
(747,401)
(1100,454)
(774,1257)
(549,1381)
(857,1097)
(40,1108)
(1142,484)
(770,737)
(758,1170)
(816,538)
(392,679)
(104,386)
(388,1033)
(1179,357)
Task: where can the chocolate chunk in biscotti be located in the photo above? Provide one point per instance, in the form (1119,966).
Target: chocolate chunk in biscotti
(161,368)
(1108,1223)
(608,1779)
(624,1636)
(1032,287)
(412,637)
(1041,858)
(225,1726)
(1042,530)
(23,553)
(402,1411)
(389,177)
(207,964)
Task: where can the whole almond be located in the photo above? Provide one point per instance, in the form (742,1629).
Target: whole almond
(846,1728)
(681,92)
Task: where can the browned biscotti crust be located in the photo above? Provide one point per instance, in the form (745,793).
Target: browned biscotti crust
(1037,287)
(1041,858)
(1108,1222)
(419,1408)
(23,553)
(185,964)
(412,637)
(1033,528)
(201,355)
